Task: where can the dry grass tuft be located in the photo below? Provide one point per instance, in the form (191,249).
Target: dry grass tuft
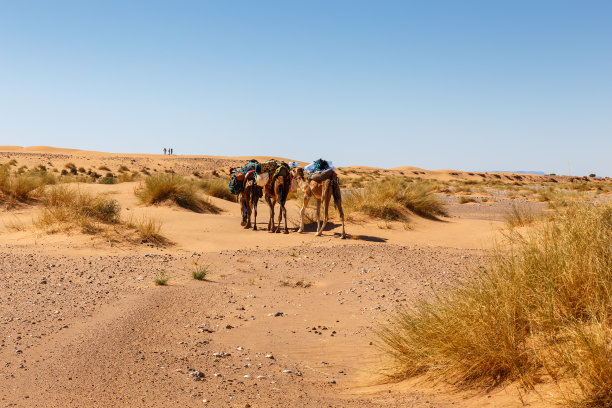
(217,187)
(465,200)
(23,187)
(148,230)
(171,187)
(520,216)
(65,207)
(394,199)
(542,308)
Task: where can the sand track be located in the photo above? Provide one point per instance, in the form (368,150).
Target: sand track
(136,344)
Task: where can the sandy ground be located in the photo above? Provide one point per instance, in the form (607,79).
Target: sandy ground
(282,320)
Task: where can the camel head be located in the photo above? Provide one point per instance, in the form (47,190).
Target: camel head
(297,173)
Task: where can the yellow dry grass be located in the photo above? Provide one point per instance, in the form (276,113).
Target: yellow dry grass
(394,200)
(174,188)
(543,308)
(22,187)
(217,187)
(66,207)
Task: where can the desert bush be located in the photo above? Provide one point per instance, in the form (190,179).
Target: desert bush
(108,179)
(394,199)
(123,168)
(519,216)
(71,168)
(104,168)
(125,177)
(66,206)
(217,187)
(148,230)
(200,272)
(462,189)
(543,307)
(170,187)
(161,279)
(23,187)
(465,200)
(81,178)
(557,198)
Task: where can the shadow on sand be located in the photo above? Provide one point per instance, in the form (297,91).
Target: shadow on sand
(368,238)
(312,227)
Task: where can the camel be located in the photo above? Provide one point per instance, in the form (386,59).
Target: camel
(242,182)
(248,199)
(275,191)
(322,188)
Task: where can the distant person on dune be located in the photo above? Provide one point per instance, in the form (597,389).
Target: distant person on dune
(164,150)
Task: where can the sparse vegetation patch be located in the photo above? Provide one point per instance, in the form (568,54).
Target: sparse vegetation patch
(542,309)
(173,188)
(217,187)
(200,272)
(394,200)
(161,279)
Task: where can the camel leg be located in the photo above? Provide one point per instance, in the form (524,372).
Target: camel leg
(242,209)
(255,202)
(247,204)
(280,217)
(271,220)
(248,217)
(285,214)
(326,208)
(339,205)
(318,218)
(271,228)
(303,211)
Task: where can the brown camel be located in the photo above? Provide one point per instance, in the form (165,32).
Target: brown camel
(322,188)
(275,191)
(248,199)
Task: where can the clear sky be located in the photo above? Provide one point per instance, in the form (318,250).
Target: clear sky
(469,85)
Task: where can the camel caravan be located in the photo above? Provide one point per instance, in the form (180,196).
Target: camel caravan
(274,180)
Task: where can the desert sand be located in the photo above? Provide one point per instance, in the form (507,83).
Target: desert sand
(282,320)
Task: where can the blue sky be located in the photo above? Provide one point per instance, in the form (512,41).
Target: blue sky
(470,85)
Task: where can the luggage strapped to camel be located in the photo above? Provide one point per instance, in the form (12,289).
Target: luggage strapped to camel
(273,168)
(239,175)
(270,167)
(319,170)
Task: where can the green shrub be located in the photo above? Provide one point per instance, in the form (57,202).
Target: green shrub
(199,273)
(162,279)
